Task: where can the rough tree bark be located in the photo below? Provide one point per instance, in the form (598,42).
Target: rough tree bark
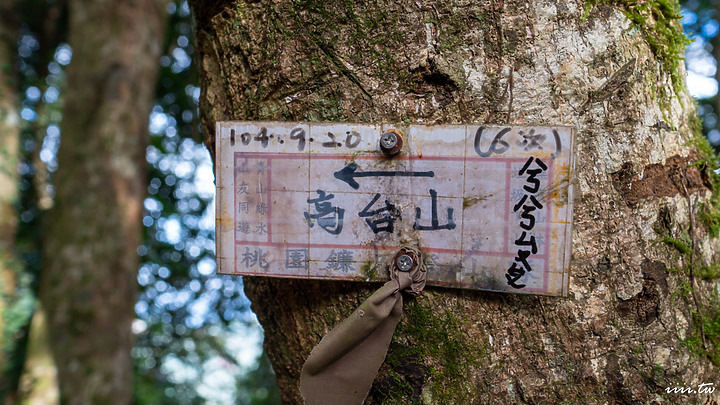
(612,74)
(88,284)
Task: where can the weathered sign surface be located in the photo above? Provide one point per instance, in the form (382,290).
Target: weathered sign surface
(490,207)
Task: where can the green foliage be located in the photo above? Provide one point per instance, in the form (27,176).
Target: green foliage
(371,40)
(709,211)
(684,290)
(258,387)
(437,345)
(369,270)
(658,22)
(710,272)
(17,309)
(187,313)
(680,245)
(16,314)
(704,337)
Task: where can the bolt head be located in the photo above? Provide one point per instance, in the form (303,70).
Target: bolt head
(388,140)
(405,262)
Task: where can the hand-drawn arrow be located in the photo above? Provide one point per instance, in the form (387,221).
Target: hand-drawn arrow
(349,172)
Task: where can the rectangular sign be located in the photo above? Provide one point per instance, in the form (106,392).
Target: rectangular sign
(489,207)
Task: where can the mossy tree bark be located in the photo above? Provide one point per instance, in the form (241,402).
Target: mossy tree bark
(88,285)
(613,74)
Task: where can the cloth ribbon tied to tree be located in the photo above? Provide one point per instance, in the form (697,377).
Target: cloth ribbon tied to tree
(341,368)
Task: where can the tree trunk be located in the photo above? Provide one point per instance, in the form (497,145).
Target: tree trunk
(9,192)
(88,284)
(9,155)
(9,152)
(612,74)
(38,384)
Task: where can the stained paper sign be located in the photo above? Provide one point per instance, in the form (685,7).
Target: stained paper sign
(489,207)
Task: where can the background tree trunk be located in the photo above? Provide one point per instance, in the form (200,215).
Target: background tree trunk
(88,284)
(614,76)
(9,192)
(15,306)
(39,381)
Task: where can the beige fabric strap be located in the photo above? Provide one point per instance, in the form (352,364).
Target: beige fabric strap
(342,367)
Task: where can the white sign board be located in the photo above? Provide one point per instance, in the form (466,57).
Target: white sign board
(489,207)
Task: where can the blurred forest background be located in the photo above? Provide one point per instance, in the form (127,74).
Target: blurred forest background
(197,340)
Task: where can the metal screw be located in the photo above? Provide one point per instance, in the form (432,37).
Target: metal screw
(388,140)
(391,142)
(405,262)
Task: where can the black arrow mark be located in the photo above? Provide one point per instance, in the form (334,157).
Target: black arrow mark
(349,172)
